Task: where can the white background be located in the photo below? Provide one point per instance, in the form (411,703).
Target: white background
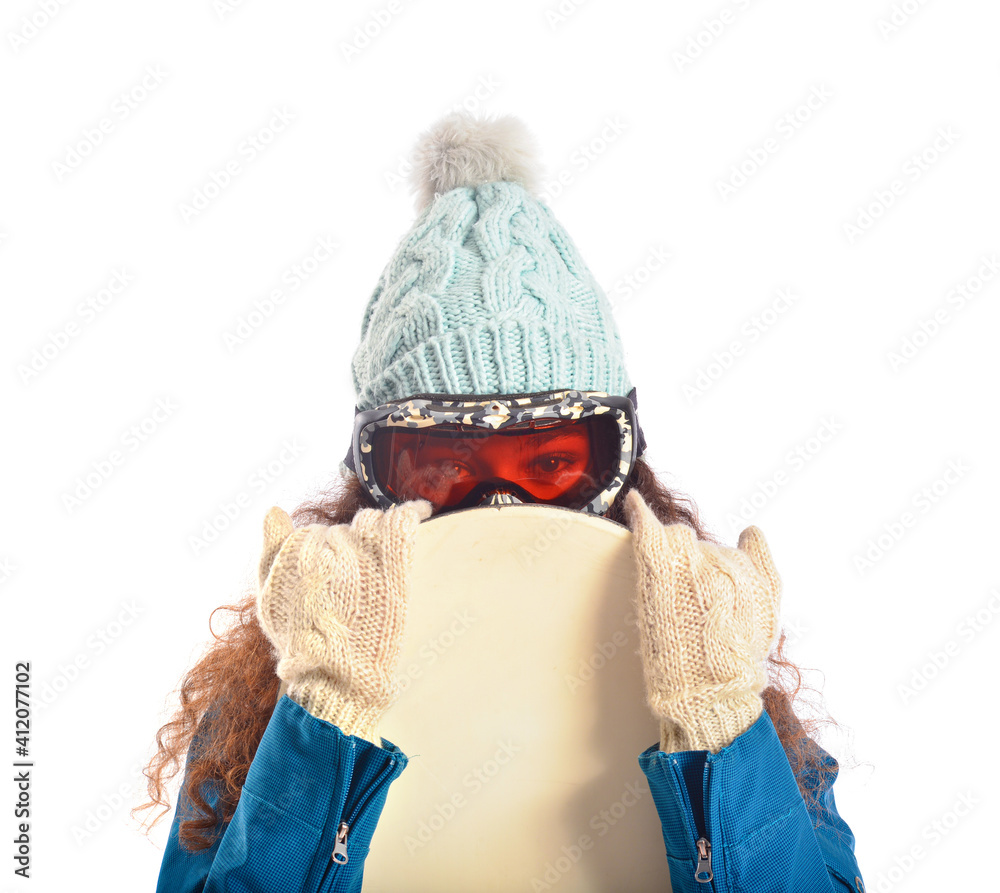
(666,111)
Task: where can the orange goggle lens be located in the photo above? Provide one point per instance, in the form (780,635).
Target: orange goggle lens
(564,462)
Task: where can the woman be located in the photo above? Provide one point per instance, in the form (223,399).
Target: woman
(490,370)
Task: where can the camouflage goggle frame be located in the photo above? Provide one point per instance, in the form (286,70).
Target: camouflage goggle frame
(496,413)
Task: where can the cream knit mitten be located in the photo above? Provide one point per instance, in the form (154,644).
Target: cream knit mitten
(332,600)
(708,617)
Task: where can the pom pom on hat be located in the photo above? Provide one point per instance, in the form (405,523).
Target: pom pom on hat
(462,150)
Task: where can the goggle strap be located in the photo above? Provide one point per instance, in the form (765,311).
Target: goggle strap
(640,440)
(349,458)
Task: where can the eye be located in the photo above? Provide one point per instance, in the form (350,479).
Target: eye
(450,469)
(553,462)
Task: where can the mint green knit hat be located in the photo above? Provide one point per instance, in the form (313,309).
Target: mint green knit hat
(486,294)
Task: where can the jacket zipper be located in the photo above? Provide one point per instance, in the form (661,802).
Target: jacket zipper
(703,873)
(339,855)
(340,844)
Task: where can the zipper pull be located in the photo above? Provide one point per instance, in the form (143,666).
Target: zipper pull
(340,845)
(704,861)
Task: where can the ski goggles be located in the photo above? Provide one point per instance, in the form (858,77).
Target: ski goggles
(568,448)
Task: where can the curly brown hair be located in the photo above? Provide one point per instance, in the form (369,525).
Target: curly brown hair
(238,670)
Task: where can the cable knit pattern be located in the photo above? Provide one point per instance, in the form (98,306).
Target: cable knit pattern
(332,600)
(708,617)
(486,294)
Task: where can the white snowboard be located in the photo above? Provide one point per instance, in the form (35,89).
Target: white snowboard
(523,714)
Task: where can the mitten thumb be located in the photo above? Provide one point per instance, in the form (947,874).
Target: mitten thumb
(277,527)
(753,544)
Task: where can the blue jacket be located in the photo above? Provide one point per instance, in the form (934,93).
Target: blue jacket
(313,797)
